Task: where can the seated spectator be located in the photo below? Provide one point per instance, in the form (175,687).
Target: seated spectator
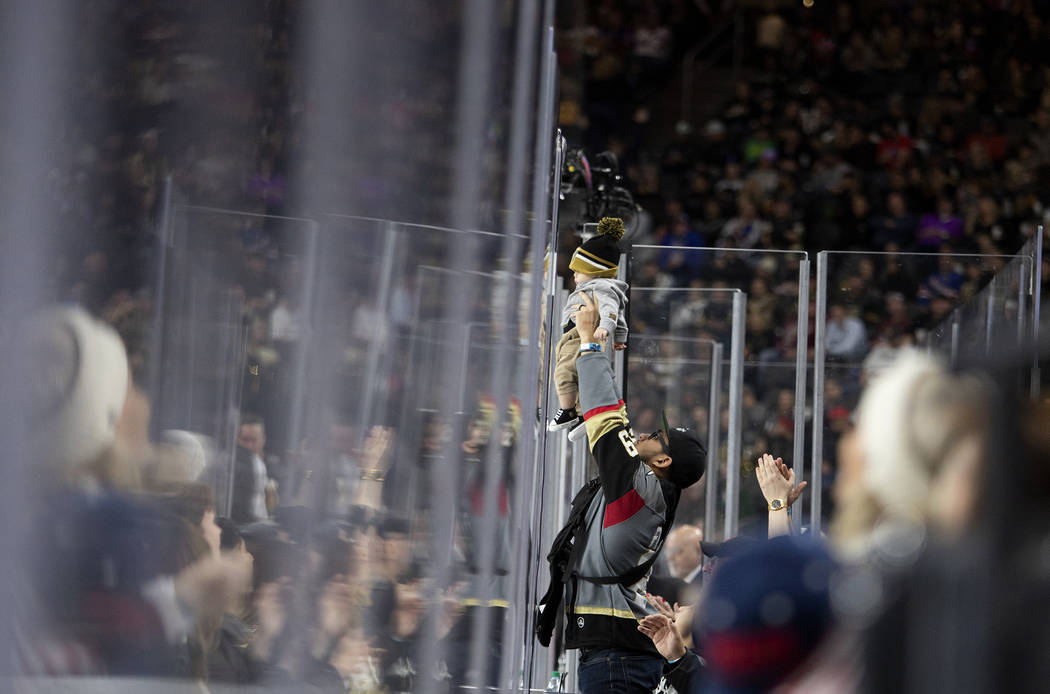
(987,220)
(942,227)
(898,272)
(728,187)
(944,282)
(766,178)
(845,336)
(681,264)
(711,220)
(898,318)
(746,228)
(896,226)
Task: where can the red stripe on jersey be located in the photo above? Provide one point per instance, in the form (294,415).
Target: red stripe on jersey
(623,508)
(604,408)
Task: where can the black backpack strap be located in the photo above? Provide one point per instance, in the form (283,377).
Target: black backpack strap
(564,552)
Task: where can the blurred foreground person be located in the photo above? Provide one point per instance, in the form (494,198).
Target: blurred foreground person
(979,579)
(766,609)
(913,457)
(908,487)
(114,583)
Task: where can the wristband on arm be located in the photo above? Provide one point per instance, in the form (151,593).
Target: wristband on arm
(590,347)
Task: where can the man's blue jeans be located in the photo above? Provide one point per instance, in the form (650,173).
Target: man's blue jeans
(614,671)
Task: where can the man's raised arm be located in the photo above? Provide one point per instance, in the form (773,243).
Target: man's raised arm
(603,409)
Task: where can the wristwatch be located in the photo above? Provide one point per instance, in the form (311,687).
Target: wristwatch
(777,505)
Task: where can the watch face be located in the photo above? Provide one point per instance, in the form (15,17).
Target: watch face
(776,504)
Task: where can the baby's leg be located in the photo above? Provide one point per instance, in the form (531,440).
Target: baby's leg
(566,382)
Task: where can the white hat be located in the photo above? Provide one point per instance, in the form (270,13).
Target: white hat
(911,416)
(76,380)
(195,449)
(894,471)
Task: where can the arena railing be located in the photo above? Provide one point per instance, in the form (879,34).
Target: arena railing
(673,372)
(456,377)
(928,287)
(783,298)
(211,312)
(1006,312)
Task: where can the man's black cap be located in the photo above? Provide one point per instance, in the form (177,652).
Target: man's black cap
(688,455)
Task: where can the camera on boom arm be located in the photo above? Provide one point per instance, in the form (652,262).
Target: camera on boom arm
(594,189)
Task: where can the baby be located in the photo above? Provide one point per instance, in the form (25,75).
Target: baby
(595,265)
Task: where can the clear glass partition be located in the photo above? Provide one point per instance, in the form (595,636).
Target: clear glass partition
(770,414)
(386,374)
(230,320)
(1006,309)
(869,305)
(426,355)
(682,376)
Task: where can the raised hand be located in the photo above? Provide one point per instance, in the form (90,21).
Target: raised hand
(586,317)
(660,629)
(376,447)
(777,480)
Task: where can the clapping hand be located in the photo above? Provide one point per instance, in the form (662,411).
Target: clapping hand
(661,628)
(777,480)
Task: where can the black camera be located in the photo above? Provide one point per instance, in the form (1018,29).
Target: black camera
(592,190)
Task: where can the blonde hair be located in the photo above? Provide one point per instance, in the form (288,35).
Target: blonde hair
(911,420)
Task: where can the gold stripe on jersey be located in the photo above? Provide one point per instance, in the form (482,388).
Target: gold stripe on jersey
(604,611)
(601,424)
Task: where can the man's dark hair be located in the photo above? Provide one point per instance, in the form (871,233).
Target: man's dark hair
(230,535)
(248,419)
(393,525)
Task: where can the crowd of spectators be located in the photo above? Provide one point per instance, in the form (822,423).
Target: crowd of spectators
(923,127)
(881,130)
(323,583)
(333,596)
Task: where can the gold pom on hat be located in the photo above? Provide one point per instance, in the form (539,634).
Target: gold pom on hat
(611,226)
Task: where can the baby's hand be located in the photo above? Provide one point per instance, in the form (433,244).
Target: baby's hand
(601,335)
(619,346)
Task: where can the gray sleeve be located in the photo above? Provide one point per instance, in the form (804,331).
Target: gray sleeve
(621,329)
(608,310)
(596,381)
